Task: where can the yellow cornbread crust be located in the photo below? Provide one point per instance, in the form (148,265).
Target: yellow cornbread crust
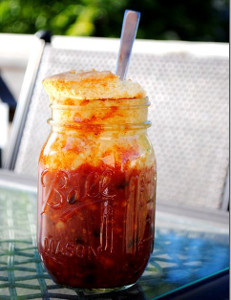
(82,85)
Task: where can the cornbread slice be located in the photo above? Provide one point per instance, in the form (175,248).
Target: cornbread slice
(82,85)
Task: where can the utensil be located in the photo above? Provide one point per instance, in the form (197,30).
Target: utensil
(128,34)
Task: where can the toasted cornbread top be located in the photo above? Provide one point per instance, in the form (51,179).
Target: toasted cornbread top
(91,85)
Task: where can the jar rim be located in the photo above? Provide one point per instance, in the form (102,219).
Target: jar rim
(112,114)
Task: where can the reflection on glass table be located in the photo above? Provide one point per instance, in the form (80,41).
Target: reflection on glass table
(186,249)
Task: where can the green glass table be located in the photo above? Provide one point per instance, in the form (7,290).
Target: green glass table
(189,245)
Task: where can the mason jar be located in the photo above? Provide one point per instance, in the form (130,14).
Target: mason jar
(96,193)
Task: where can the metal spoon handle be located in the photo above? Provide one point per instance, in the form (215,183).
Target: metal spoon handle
(128,34)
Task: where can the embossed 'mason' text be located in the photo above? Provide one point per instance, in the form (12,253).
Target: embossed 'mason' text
(70,249)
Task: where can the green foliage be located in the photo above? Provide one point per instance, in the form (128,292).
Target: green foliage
(196,20)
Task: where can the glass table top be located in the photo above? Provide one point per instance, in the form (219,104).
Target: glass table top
(186,249)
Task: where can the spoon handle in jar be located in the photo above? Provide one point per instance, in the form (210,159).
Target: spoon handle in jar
(128,34)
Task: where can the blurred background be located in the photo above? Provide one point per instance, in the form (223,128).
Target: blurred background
(192,20)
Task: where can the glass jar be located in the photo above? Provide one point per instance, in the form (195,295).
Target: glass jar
(96,193)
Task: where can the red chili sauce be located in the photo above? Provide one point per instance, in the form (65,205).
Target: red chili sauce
(96,224)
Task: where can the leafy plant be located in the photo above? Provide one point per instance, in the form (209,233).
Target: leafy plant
(186,20)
